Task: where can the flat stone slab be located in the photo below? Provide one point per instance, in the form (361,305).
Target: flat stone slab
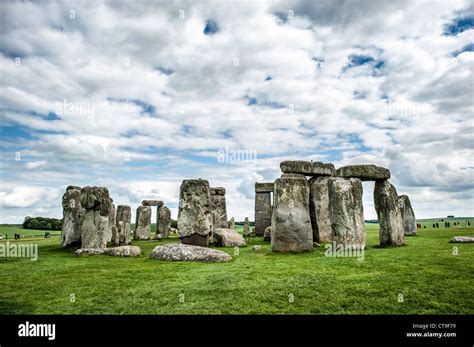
(182,252)
(364,172)
(307,168)
(228,238)
(264,187)
(124,251)
(121,251)
(158,203)
(462,239)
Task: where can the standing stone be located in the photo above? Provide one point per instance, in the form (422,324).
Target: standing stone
(319,209)
(263,207)
(246,231)
(143,223)
(123,220)
(291,223)
(113,233)
(232,223)
(219,208)
(267,235)
(347,212)
(389,214)
(163,219)
(194,216)
(72,216)
(95,224)
(408,216)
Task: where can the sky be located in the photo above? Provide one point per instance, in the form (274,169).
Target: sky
(137,96)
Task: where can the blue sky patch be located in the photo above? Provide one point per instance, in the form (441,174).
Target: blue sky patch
(211,27)
(459,25)
(468,48)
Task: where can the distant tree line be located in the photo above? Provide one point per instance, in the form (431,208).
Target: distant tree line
(41,223)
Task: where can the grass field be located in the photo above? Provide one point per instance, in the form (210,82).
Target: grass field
(423,277)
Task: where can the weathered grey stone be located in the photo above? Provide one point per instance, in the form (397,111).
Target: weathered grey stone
(163,220)
(307,168)
(291,223)
(462,239)
(246,230)
(72,216)
(264,187)
(263,211)
(256,247)
(152,203)
(267,235)
(232,223)
(113,232)
(364,172)
(123,220)
(182,252)
(95,222)
(219,207)
(124,251)
(319,209)
(225,237)
(90,251)
(346,212)
(194,216)
(389,215)
(408,216)
(143,223)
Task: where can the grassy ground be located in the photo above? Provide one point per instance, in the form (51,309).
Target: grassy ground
(423,277)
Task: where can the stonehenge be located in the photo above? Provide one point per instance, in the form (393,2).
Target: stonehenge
(263,207)
(291,223)
(335,206)
(195,212)
(310,203)
(143,223)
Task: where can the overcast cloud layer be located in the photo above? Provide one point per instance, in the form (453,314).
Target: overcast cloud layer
(137,96)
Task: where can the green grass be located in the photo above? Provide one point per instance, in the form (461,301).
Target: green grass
(431,279)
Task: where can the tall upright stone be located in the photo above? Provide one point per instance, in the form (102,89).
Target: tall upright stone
(319,209)
(389,214)
(163,219)
(72,216)
(143,223)
(408,216)
(95,223)
(263,207)
(123,221)
(219,208)
(194,216)
(347,212)
(232,223)
(291,222)
(113,232)
(246,230)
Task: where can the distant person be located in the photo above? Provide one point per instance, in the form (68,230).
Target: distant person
(468,223)
(434,225)
(437,225)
